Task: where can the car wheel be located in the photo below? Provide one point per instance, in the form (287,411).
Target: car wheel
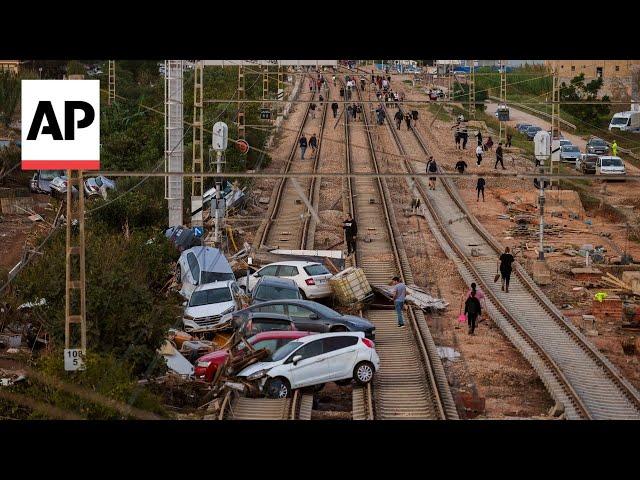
(278,388)
(363,373)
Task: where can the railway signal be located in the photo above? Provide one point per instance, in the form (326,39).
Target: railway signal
(219,142)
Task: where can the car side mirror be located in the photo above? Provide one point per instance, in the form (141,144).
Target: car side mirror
(296,359)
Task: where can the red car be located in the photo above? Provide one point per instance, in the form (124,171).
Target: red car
(207,365)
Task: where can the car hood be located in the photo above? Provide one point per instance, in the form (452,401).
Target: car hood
(256,367)
(358,321)
(209,310)
(571,154)
(213,356)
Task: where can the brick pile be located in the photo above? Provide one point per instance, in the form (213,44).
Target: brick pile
(609,309)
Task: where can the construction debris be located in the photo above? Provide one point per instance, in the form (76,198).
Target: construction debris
(350,286)
(615,282)
(416,296)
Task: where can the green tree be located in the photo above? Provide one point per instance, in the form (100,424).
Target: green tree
(75,68)
(9,96)
(579,90)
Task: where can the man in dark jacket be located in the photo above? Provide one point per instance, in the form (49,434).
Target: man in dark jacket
(303,146)
(473,310)
(499,157)
(461,165)
(350,232)
(334,107)
(398,118)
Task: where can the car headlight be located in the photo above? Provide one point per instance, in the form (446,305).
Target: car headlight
(258,374)
(190,323)
(228,311)
(204,364)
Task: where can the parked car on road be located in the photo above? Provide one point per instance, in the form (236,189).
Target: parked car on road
(522,127)
(93,185)
(207,365)
(597,146)
(41,180)
(314,360)
(564,141)
(611,167)
(202,265)
(531,132)
(586,163)
(311,316)
(209,302)
(625,121)
(274,288)
(312,278)
(569,153)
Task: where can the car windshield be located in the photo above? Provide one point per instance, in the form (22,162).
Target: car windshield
(208,297)
(50,174)
(619,121)
(99,181)
(316,270)
(284,351)
(571,148)
(210,277)
(269,292)
(598,143)
(611,162)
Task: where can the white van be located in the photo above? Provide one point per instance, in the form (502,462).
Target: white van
(626,121)
(610,166)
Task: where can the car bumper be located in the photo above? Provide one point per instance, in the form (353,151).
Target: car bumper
(318,291)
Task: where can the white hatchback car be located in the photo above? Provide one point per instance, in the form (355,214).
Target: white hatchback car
(315,360)
(312,278)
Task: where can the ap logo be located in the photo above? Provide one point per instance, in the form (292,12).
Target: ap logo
(60,124)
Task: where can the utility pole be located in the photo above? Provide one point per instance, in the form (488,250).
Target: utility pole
(503,100)
(219,145)
(241,93)
(472,90)
(75,285)
(173,139)
(112,82)
(555,119)
(197,182)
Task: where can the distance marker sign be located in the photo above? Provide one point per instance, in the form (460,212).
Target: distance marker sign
(60,124)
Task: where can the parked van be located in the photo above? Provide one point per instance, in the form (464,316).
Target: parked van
(610,166)
(626,122)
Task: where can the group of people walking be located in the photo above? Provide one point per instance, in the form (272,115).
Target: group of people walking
(304,143)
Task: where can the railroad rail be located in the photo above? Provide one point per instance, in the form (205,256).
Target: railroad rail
(235,407)
(290,231)
(411,383)
(575,373)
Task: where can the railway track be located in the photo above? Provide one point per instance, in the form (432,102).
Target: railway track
(291,230)
(575,373)
(411,383)
(298,407)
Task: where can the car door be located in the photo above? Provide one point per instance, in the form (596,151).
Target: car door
(305,319)
(312,368)
(264,271)
(341,352)
(288,271)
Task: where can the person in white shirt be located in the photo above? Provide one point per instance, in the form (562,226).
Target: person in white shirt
(479,155)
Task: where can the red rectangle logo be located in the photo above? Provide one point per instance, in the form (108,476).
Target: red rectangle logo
(60,165)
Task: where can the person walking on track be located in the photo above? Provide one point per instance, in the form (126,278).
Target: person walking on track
(457,138)
(334,107)
(479,135)
(407,120)
(351,233)
(480,188)
(461,165)
(499,157)
(432,167)
(303,146)
(479,152)
(399,294)
(312,109)
(398,118)
(313,143)
(473,310)
(465,137)
(334,80)
(505,262)
(362,83)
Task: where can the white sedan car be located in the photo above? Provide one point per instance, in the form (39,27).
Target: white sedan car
(315,360)
(312,278)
